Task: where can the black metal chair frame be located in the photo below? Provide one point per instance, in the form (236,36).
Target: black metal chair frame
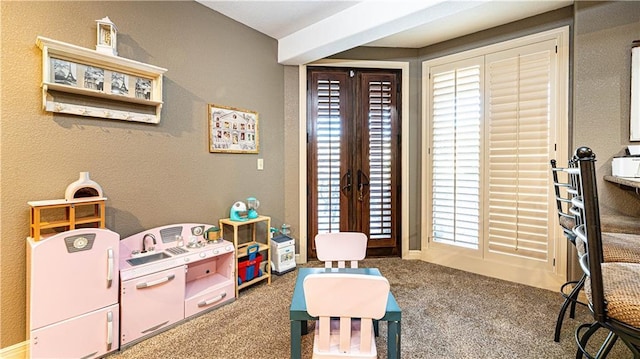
(589,231)
(564,210)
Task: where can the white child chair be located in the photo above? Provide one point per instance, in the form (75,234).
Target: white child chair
(341,247)
(336,298)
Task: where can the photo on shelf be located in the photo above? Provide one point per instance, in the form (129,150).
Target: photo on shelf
(119,83)
(94,78)
(64,72)
(143,88)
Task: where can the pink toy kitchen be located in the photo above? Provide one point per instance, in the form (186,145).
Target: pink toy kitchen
(171,273)
(84,281)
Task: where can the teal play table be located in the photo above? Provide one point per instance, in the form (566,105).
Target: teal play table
(299,316)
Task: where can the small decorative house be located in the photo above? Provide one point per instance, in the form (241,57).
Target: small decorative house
(107,37)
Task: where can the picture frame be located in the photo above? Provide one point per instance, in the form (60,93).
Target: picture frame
(232,130)
(66,73)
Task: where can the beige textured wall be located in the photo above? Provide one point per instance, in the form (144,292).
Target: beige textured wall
(603,35)
(152,175)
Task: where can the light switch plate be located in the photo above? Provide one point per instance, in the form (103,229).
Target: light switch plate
(260,164)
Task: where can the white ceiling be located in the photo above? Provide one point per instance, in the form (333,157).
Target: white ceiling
(310,30)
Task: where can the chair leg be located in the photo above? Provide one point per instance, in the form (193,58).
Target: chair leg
(570,299)
(572,311)
(581,340)
(563,310)
(574,295)
(635,350)
(632,347)
(607,345)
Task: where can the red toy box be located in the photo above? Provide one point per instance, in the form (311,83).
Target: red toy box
(249,267)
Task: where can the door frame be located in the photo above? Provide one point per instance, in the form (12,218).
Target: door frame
(301,257)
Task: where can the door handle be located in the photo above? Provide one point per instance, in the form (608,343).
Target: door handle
(346,179)
(363,183)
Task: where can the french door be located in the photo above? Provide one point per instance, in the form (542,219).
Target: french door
(354,155)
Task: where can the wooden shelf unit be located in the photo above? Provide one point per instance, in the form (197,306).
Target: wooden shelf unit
(53,216)
(241,248)
(93,90)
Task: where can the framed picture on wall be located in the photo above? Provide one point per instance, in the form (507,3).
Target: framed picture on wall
(232,130)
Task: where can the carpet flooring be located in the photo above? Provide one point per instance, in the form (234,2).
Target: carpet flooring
(446,313)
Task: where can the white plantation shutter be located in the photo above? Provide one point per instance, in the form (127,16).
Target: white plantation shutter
(455,146)
(523,123)
(490,142)
(518,143)
(380,112)
(328,155)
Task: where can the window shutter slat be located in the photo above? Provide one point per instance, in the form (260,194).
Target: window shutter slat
(456,155)
(328,157)
(518,141)
(380,111)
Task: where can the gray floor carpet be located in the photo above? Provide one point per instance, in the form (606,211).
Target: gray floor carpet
(446,313)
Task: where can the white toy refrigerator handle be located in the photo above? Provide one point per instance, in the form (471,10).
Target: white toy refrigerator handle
(110,267)
(109,330)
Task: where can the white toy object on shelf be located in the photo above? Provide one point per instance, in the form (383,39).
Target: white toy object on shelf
(283,254)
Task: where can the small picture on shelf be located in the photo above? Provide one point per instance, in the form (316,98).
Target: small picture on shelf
(119,83)
(94,78)
(143,88)
(64,72)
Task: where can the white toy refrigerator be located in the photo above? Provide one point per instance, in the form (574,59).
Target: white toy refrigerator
(72,294)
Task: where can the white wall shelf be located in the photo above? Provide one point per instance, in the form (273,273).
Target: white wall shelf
(85,82)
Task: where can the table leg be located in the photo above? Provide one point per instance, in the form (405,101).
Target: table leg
(393,340)
(296,339)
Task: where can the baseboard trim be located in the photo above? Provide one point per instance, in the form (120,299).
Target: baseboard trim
(16,351)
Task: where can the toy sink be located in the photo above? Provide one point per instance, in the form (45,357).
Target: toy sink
(147,259)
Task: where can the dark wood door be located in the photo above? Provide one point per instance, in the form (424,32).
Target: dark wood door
(354,155)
